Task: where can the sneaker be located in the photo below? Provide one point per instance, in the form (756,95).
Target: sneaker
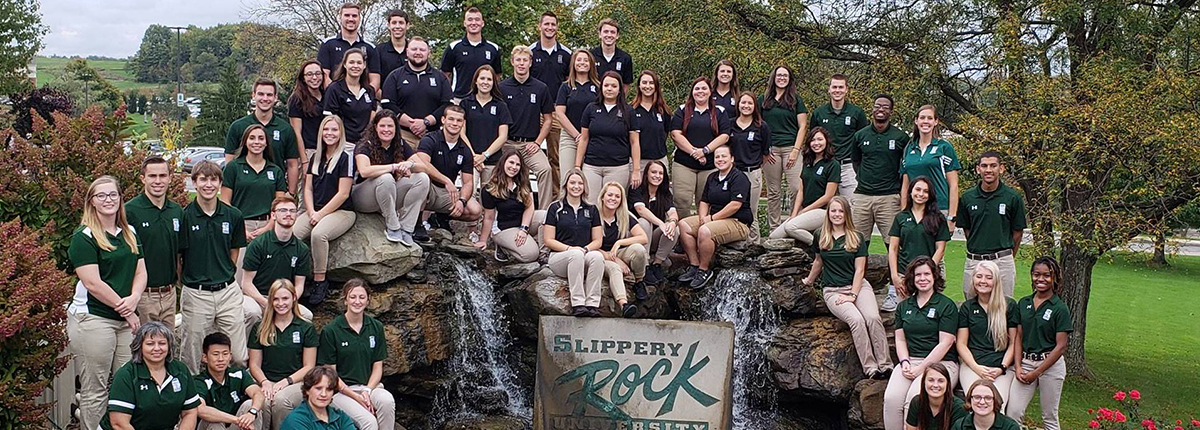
(593,311)
(652,275)
(578,311)
(441,221)
(884,373)
(629,310)
(639,291)
(890,303)
(394,236)
(702,279)
(420,233)
(501,256)
(320,290)
(406,239)
(689,274)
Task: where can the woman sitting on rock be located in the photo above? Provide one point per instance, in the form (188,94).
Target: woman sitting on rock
(355,346)
(573,234)
(935,408)
(623,247)
(652,202)
(819,178)
(724,216)
(328,212)
(926,324)
(390,181)
(508,209)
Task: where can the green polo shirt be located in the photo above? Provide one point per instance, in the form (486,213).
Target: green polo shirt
(117,268)
(158,228)
(1040,327)
(273,259)
(280,135)
(782,121)
(285,356)
(956,411)
(922,325)
(253,191)
(816,177)
(205,242)
(841,126)
(303,418)
(352,352)
(878,155)
(1002,422)
(973,317)
(937,159)
(837,264)
(990,218)
(914,241)
(151,406)
(225,397)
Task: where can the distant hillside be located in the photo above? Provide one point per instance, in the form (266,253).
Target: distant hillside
(49,69)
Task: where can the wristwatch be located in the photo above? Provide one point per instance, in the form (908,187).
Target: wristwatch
(253,411)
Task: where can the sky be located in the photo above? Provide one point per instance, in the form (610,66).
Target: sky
(114,28)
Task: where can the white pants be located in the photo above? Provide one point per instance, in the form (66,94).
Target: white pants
(800,227)
(1049,388)
(383,402)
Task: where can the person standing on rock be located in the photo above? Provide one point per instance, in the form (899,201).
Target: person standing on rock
(652,120)
(656,214)
(724,216)
(936,407)
(623,247)
(926,324)
(987,330)
(819,178)
(355,346)
(580,90)
(317,412)
(508,205)
(328,212)
(283,348)
(276,254)
(920,230)
(933,157)
(750,140)
(1044,328)
(390,181)
(840,260)
(784,112)
(992,216)
(876,152)
(573,234)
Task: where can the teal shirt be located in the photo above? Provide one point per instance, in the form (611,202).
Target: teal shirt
(934,162)
(303,418)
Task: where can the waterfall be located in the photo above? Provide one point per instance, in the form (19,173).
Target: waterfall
(740,297)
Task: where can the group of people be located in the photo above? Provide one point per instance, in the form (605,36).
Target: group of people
(382,132)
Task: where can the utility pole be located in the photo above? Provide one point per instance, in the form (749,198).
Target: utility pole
(179,66)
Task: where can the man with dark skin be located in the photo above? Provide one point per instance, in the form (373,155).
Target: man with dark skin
(876,152)
(992,216)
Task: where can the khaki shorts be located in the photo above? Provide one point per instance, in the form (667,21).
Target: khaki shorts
(439,200)
(723,230)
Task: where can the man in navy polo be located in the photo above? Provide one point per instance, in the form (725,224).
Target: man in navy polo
(465,55)
(417,93)
(331,51)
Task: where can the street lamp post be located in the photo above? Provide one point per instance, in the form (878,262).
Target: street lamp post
(179,66)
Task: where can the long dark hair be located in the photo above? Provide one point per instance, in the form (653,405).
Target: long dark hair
(808,154)
(341,73)
(495,92)
(374,146)
(268,153)
(689,106)
(498,185)
(662,196)
(925,416)
(300,94)
(931,219)
(659,103)
(622,106)
(788,99)
(756,115)
(734,87)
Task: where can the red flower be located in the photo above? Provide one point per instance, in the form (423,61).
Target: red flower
(1106,414)
(1120,417)
(1094,424)
(1147,423)
(1120,396)
(1135,394)
(1091,411)
(1178,427)
(1195,423)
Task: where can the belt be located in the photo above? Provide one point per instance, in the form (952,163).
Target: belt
(159,289)
(1035,356)
(992,256)
(749,169)
(209,287)
(262,217)
(521,139)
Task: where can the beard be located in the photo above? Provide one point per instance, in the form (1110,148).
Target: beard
(417,64)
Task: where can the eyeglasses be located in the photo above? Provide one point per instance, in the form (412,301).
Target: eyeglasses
(107,196)
(982,399)
(313,74)
(283,211)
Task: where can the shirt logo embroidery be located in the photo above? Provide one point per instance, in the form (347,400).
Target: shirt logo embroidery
(724,186)
(295,337)
(892,144)
(404,82)
(294,261)
(560,58)
(824,120)
(533,98)
(866,143)
(175,222)
(276,135)
(175,385)
(820,170)
(234,395)
(270,175)
(932,312)
(432,81)
(195,228)
(225,227)
(493,110)
(268,256)
(593,89)
(659,115)
(847,120)
(145,387)
(750,137)
(367,98)
(459,159)
(372,340)
(145,224)
(345,344)
(1003,207)
(933,150)
(974,207)
(487,54)
(618,66)
(1046,316)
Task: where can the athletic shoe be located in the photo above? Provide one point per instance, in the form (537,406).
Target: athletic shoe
(320,290)
(578,311)
(406,239)
(890,303)
(420,234)
(689,274)
(394,236)
(653,274)
(501,256)
(593,311)
(639,291)
(441,221)
(702,279)
(629,310)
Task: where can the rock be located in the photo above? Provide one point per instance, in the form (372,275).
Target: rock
(542,293)
(364,252)
(440,235)
(814,358)
(796,300)
(415,276)
(878,274)
(519,270)
(866,406)
(730,257)
(783,271)
(463,249)
(485,423)
(789,258)
(779,244)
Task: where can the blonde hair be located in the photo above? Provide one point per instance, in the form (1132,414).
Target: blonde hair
(622,212)
(996,307)
(566,177)
(591,73)
(341,147)
(266,329)
(521,50)
(852,237)
(91,218)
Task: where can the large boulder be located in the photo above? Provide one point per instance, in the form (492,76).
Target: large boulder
(866,405)
(542,293)
(814,358)
(364,252)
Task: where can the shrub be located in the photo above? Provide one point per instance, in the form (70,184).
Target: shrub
(1115,419)
(42,101)
(32,324)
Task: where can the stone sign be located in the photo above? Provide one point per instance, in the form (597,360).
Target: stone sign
(626,374)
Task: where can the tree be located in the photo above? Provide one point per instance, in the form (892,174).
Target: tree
(39,102)
(154,60)
(86,83)
(221,107)
(22,30)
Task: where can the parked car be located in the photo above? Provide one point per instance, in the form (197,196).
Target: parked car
(194,155)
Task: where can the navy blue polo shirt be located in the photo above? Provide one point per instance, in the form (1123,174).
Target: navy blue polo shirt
(608,134)
(417,94)
(483,124)
(354,109)
(527,102)
(331,51)
(719,192)
(658,208)
(699,133)
(612,232)
(551,67)
(391,58)
(572,226)
(325,183)
(449,161)
(621,63)
(577,99)
(749,144)
(727,101)
(509,210)
(461,59)
(310,120)
(652,127)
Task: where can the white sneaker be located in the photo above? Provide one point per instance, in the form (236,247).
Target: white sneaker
(396,235)
(890,303)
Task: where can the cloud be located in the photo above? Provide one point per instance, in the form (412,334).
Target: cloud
(114,28)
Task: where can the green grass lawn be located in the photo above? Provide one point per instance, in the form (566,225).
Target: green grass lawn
(49,69)
(1143,333)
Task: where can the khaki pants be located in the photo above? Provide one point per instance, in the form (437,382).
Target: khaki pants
(552,151)
(331,227)
(251,225)
(723,230)
(870,341)
(660,244)
(597,176)
(634,257)
(527,252)
(687,185)
(966,377)
(1049,388)
(282,404)
(583,273)
(158,306)
(1008,275)
(539,166)
(438,200)
(567,148)
(262,422)
(205,312)
(254,312)
(381,400)
(100,346)
(777,201)
(849,180)
(411,139)
(871,211)
(800,227)
(901,390)
(755,194)
(402,198)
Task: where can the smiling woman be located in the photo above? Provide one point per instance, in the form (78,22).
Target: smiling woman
(133,404)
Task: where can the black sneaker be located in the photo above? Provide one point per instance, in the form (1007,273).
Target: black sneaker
(419,233)
(629,310)
(579,311)
(320,290)
(702,278)
(651,275)
(639,290)
(689,274)
(501,256)
(441,221)
(593,311)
